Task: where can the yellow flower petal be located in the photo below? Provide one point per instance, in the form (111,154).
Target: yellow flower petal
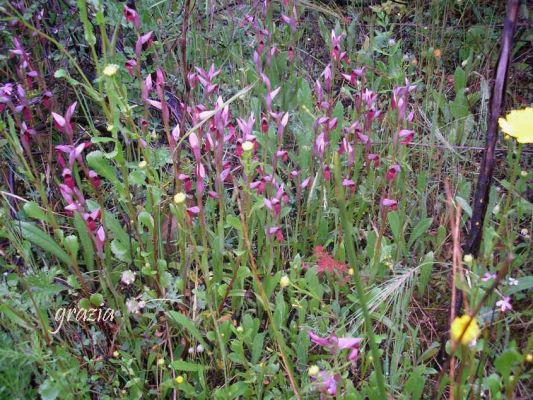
(471,330)
(518,124)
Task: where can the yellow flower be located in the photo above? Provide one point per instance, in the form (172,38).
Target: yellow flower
(468,258)
(313,370)
(179,380)
(143,164)
(284,281)
(471,329)
(247,146)
(179,198)
(519,124)
(110,69)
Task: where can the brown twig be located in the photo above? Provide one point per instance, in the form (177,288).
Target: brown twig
(487,163)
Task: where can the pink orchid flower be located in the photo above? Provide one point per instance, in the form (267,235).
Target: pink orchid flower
(276,231)
(63,123)
(350,184)
(373,158)
(392,204)
(406,136)
(291,22)
(334,344)
(73,152)
(100,240)
(132,16)
(392,172)
(326,382)
(130,66)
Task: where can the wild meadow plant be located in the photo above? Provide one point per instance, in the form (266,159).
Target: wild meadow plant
(265,217)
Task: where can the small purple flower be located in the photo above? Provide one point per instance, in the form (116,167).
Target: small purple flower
(326,382)
(504,304)
(488,276)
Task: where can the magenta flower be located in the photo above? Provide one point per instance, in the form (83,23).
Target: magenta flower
(67,178)
(275,231)
(334,344)
(336,52)
(326,383)
(291,22)
(92,218)
(186,181)
(130,66)
(305,182)
(63,123)
(400,97)
(206,78)
(392,172)
(406,136)
(321,143)
(350,184)
(327,173)
(100,240)
(73,152)
(193,211)
(504,304)
(488,276)
(143,43)
(369,97)
(392,204)
(352,78)
(94,179)
(373,158)
(132,16)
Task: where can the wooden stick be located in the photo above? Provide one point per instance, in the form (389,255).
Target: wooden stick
(481,198)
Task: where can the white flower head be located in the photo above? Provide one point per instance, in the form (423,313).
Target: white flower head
(110,69)
(284,281)
(127,277)
(512,282)
(134,307)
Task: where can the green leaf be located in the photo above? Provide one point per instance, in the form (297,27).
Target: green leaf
(43,240)
(425,272)
(459,79)
(72,245)
(115,227)
(419,229)
(394,222)
(184,322)
(120,250)
(97,161)
(96,299)
(464,205)
(49,390)
(33,210)
(415,384)
(506,362)
(181,365)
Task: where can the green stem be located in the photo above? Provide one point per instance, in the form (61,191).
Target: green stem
(350,249)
